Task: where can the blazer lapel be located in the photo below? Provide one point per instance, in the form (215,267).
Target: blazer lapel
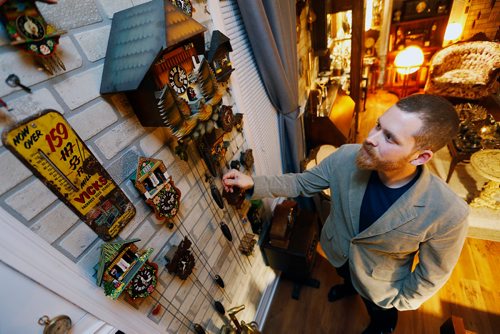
(357,188)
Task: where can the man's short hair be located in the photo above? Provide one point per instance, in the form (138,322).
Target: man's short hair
(439,118)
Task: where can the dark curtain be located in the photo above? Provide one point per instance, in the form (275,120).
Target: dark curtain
(270,25)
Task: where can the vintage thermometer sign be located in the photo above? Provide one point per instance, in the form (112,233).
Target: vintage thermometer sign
(48,146)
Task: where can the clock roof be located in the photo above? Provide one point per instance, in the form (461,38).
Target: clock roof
(137,37)
(218,40)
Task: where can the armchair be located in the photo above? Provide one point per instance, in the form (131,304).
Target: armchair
(467,70)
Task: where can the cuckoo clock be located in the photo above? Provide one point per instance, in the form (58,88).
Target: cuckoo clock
(235,198)
(119,263)
(218,56)
(179,259)
(153,181)
(212,148)
(226,118)
(28,31)
(158,52)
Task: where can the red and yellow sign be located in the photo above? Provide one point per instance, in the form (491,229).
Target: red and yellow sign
(53,151)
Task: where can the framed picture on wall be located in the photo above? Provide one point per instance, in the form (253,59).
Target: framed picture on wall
(418,9)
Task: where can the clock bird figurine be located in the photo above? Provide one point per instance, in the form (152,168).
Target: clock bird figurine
(28,30)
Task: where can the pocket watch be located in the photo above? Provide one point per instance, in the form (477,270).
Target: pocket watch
(58,325)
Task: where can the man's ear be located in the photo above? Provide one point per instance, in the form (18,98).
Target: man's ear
(422,158)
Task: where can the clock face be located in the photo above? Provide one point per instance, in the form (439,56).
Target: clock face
(185,265)
(30,27)
(178,79)
(168,201)
(143,282)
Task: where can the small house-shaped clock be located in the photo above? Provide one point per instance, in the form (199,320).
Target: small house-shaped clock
(157,52)
(153,181)
(218,56)
(119,263)
(28,30)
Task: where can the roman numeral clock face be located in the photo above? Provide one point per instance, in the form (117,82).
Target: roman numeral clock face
(178,79)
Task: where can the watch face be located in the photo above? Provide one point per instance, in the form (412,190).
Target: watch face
(178,79)
(30,27)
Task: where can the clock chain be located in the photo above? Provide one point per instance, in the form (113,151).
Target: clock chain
(215,215)
(205,263)
(206,293)
(190,324)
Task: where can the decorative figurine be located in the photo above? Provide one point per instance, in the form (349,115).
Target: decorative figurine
(153,181)
(118,265)
(218,56)
(52,150)
(28,30)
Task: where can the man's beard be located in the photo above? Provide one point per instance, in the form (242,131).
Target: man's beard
(368,159)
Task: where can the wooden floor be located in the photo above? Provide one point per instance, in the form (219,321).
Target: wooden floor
(473,291)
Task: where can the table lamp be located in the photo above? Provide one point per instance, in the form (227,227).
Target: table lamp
(408,61)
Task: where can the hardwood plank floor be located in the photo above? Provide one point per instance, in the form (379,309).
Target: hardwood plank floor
(471,293)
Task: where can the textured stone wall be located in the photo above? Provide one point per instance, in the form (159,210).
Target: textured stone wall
(483,16)
(112,132)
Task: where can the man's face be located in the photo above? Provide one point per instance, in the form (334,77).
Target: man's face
(390,145)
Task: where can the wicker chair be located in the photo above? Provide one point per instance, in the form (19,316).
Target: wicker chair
(467,70)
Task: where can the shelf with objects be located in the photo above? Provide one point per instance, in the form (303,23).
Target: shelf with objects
(330,108)
(420,26)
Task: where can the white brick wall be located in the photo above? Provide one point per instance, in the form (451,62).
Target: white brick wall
(112,132)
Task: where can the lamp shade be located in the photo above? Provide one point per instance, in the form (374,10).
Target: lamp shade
(409,60)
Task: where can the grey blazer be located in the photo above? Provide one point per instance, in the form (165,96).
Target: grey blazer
(429,219)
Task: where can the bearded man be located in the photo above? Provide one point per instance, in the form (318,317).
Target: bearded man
(386,209)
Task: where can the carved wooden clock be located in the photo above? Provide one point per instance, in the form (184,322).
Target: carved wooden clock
(153,181)
(28,30)
(180,260)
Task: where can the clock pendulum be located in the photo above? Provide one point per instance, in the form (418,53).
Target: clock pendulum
(224,228)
